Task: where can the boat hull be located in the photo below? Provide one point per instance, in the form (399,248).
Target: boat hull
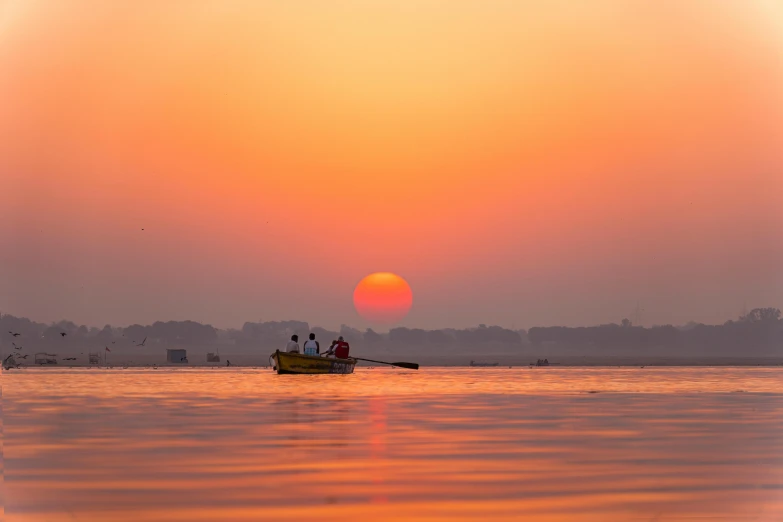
(294,363)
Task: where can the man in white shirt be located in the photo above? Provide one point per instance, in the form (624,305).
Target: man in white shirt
(311,346)
(293,344)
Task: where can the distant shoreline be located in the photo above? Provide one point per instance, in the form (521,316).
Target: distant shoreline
(503,363)
(756,339)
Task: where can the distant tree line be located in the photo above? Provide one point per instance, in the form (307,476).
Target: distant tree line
(759,331)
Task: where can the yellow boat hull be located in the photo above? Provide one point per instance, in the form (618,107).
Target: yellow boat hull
(310,364)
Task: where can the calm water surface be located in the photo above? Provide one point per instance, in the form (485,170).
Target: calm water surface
(566,444)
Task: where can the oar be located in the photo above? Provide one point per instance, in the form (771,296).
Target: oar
(410,366)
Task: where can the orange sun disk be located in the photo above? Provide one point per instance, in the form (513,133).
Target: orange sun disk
(383,298)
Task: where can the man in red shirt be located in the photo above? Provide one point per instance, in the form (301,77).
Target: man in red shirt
(339,349)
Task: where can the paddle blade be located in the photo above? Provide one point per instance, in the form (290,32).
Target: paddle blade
(410,366)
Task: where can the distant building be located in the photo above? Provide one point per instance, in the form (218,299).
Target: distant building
(213,357)
(177,356)
(45,358)
(94,358)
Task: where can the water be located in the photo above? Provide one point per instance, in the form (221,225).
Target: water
(597,444)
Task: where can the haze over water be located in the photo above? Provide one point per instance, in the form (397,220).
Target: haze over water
(597,444)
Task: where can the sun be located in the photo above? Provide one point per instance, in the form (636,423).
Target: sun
(383,298)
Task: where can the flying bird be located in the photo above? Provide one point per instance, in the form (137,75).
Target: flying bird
(63,334)
(17,347)
(142,343)
(14,334)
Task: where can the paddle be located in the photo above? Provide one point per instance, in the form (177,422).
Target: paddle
(410,366)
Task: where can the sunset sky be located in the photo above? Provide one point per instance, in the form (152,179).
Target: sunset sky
(519,163)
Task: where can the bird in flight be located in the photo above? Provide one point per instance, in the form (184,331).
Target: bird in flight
(142,343)
(63,334)
(14,334)
(17,347)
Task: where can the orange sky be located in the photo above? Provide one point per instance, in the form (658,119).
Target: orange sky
(519,163)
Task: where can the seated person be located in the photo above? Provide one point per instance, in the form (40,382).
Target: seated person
(311,346)
(293,344)
(339,349)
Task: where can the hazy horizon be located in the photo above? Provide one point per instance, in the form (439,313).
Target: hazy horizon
(380,329)
(518,163)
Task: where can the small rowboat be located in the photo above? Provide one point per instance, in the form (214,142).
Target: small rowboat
(285,362)
(474,363)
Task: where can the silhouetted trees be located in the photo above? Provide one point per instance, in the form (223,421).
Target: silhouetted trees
(408,335)
(105,335)
(323,335)
(761,315)
(439,337)
(463,339)
(760,331)
(371,337)
(352,335)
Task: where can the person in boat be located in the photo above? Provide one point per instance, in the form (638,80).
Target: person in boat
(293,344)
(340,349)
(311,346)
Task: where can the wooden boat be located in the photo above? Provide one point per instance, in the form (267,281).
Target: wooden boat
(285,362)
(42,358)
(473,363)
